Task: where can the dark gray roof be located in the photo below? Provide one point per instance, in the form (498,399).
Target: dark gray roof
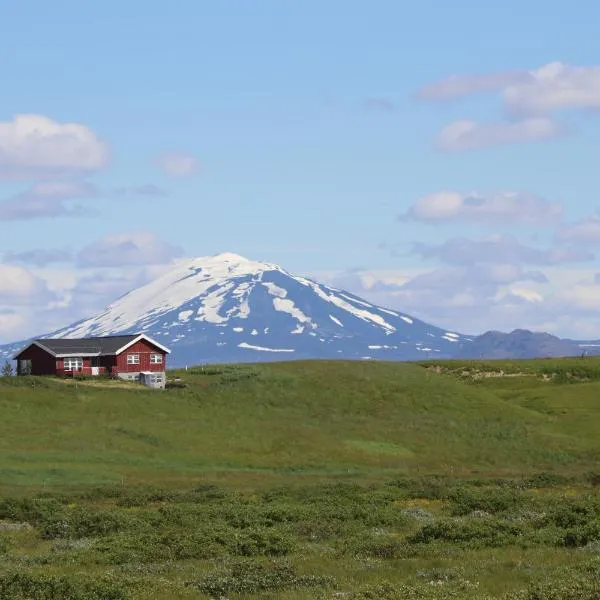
(92,345)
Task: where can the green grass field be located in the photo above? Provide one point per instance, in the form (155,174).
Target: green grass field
(355,480)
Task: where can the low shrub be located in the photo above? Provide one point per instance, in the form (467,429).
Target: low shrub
(491,500)
(83,523)
(250,578)
(432,590)
(37,511)
(383,546)
(474,532)
(580,582)
(26,586)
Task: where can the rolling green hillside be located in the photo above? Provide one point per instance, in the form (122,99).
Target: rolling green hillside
(307,480)
(312,418)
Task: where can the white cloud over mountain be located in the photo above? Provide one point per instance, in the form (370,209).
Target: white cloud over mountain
(583,232)
(126,249)
(500,249)
(498,208)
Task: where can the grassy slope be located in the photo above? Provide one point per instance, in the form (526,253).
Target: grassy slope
(307,419)
(251,429)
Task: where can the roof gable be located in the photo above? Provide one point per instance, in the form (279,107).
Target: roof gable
(143,336)
(91,346)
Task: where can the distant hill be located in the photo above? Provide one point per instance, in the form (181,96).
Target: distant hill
(519,343)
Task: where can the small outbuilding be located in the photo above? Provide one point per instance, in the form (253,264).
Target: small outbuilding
(125,356)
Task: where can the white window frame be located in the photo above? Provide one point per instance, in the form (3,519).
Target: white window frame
(156,359)
(133,359)
(73,363)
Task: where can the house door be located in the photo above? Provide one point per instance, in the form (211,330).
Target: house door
(95,366)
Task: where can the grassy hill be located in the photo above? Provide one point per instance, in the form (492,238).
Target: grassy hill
(320,480)
(309,418)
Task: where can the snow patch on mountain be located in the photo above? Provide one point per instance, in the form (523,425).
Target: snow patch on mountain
(287,306)
(336,321)
(263,349)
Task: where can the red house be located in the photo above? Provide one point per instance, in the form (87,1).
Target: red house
(136,357)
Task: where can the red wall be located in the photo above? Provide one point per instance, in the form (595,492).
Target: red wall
(42,363)
(86,370)
(144,349)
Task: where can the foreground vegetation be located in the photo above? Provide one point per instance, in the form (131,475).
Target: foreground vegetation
(305,480)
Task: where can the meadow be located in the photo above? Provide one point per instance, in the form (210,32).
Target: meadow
(313,480)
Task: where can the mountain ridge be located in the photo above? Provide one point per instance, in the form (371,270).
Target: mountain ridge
(227,308)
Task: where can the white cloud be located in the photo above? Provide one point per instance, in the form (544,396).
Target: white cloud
(552,87)
(499,249)
(583,232)
(39,257)
(470,135)
(581,297)
(52,297)
(536,95)
(521,293)
(20,286)
(179,164)
(509,207)
(48,199)
(135,248)
(555,86)
(473,299)
(35,146)
(11,325)
(466,84)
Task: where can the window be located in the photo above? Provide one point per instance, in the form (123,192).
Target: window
(156,359)
(25,368)
(73,363)
(133,359)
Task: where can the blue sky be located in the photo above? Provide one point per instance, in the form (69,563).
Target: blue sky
(299,133)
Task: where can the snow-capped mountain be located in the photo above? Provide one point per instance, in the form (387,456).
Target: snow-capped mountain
(226,308)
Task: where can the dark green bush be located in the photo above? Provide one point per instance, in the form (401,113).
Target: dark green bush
(569,513)
(36,511)
(250,578)
(491,500)
(25,586)
(474,532)
(545,480)
(580,582)
(81,522)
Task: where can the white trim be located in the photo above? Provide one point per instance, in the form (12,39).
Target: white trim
(78,364)
(143,336)
(133,359)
